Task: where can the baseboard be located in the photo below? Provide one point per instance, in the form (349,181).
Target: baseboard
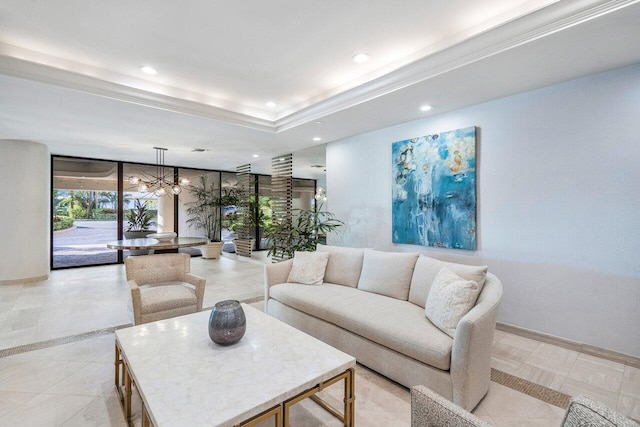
(25,280)
(592,350)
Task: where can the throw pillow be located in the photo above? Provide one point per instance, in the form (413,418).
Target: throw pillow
(387,273)
(449,299)
(344,266)
(428,268)
(308,268)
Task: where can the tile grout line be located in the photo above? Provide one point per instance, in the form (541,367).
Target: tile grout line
(12,351)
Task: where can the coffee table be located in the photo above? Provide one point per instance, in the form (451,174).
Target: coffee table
(183,378)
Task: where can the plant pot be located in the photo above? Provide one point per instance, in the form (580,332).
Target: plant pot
(211,250)
(244,247)
(138,235)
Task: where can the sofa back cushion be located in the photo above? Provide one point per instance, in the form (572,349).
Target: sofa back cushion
(344,266)
(427,269)
(387,273)
(308,268)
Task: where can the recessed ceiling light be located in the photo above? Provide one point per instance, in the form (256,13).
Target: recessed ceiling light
(318,122)
(270,104)
(256,155)
(317,138)
(360,58)
(426,108)
(148,70)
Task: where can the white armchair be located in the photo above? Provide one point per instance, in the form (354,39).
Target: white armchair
(163,287)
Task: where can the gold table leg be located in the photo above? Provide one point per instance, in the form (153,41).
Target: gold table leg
(123,383)
(275,411)
(347,417)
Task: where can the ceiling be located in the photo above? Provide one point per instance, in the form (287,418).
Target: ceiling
(70,77)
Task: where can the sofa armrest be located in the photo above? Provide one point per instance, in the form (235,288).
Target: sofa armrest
(429,409)
(472,342)
(274,274)
(136,303)
(199,283)
(584,411)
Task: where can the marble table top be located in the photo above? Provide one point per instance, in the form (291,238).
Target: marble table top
(155,244)
(186,379)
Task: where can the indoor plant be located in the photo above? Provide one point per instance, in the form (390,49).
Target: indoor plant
(308,228)
(205,213)
(139,219)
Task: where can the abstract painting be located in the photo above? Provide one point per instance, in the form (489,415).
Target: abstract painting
(434,190)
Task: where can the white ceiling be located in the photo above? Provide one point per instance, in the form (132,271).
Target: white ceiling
(69,73)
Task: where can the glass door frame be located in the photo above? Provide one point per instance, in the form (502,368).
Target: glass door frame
(120,209)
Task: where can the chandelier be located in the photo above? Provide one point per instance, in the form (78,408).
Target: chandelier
(160,182)
(321,195)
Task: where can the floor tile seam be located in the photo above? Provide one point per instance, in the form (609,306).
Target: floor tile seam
(593,385)
(25,348)
(54,342)
(104,393)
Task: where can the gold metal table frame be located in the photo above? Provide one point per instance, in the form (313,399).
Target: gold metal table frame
(124,385)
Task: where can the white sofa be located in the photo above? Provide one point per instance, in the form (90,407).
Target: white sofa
(371,305)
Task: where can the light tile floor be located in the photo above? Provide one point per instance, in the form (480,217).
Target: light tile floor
(72,384)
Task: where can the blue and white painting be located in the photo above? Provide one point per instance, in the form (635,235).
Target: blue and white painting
(434,190)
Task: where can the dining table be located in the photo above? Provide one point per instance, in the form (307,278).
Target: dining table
(152,245)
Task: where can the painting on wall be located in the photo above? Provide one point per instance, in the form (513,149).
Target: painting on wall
(434,190)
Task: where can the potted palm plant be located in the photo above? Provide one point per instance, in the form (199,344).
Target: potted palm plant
(204,214)
(308,228)
(140,220)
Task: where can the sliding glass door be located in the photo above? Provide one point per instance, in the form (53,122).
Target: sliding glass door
(85,206)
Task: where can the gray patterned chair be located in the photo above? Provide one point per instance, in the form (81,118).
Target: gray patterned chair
(429,409)
(163,287)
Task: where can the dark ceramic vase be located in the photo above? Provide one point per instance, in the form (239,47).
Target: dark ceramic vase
(227,323)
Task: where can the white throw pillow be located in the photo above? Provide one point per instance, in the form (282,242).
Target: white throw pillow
(449,299)
(308,268)
(428,268)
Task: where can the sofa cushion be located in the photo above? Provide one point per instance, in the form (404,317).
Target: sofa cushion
(395,324)
(308,268)
(426,270)
(387,273)
(344,266)
(449,299)
(166,296)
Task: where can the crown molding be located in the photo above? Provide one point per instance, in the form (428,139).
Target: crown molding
(71,80)
(544,22)
(435,62)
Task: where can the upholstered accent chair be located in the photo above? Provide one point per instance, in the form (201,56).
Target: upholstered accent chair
(162,286)
(429,409)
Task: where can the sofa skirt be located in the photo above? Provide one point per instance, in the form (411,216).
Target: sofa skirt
(393,365)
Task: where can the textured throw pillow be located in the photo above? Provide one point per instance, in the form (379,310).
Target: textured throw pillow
(449,299)
(387,273)
(428,268)
(308,268)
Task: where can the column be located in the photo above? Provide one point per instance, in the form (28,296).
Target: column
(25,215)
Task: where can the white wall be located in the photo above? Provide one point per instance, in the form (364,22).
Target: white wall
(558,203)
(24,215)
